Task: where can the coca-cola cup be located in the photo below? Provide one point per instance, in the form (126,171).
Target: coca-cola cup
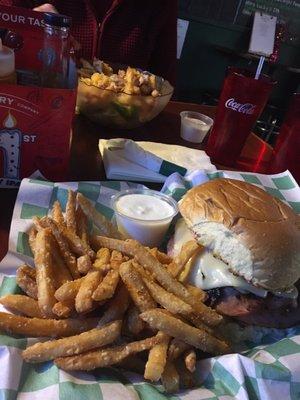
(241,102)
(286,154)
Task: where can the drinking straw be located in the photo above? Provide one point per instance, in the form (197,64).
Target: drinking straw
(259,67)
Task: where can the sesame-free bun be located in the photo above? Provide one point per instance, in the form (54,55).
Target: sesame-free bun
(250,230)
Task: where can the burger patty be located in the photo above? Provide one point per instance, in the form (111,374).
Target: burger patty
(272,311)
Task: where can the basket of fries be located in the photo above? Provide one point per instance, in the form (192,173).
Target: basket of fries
(120,98)
(105,301)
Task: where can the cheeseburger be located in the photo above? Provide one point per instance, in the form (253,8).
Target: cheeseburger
(249,251)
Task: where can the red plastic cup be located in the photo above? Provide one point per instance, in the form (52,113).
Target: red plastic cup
(241,102)
(286,154)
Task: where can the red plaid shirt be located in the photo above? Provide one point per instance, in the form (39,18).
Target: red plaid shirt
(132,32)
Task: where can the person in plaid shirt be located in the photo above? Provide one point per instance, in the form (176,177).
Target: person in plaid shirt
(132,32)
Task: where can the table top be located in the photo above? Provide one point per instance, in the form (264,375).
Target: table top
(86,162)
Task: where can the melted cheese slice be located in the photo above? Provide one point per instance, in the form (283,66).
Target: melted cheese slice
(209,272)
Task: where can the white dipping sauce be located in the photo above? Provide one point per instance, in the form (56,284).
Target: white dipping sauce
(144,217)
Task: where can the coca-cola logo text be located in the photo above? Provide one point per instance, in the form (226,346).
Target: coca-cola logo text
(246,108)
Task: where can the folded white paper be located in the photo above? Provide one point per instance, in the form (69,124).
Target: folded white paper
(123,159)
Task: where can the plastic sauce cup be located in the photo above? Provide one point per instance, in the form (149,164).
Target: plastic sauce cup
(144,215)
(194,126)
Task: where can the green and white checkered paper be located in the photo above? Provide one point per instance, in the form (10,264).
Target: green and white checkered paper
(268,370)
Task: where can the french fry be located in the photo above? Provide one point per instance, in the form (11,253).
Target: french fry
(95,338)
(69,290)
(106,357)
(148,261)
(170,378)
(105,227)
(106,287)
(136,287)
(117,306)
(188,250)
(196,292)
(63,309)
(84,264)
(26,279)
(157,359)
(190,360)
(134,324)
(76,244)
(161,257)
(23,305)
(102,258)
(31,239)
(83,300)
(116,259)
(68,257)
(70,211)
(82,226)
(176,348)
(61,271)
(44,273)
(189,334)
(57,214)
(168,300)
(38,327)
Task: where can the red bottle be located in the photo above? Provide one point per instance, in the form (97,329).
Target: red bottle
(241,102)
(286,153)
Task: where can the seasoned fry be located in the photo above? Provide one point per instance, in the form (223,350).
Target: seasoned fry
(82,226)
(136,287)
(69,346)
(68,257)
(117,306)
(168,300)
(106,288)
(44,273)
(176,348)
(170,378)
(84,264)
(162,257)
(69,290)
(157,359)
(37,327)
(61,271)
(134,324)
(31,239)
(26,280)
(63,310)
(187,251)
(105,227)
(196,292)
(116,259)
(178,329)
(83,300)
(76,244)
(23,305)
(70,211)
(57,214)
(105,358)
(102,258)
(190,359)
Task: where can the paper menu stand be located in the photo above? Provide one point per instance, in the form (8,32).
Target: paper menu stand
(35,122)
(263,34)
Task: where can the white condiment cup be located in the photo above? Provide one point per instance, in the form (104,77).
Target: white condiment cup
(194,126)
(149,232)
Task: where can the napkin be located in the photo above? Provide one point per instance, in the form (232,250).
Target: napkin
(149,161)
(268,368)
